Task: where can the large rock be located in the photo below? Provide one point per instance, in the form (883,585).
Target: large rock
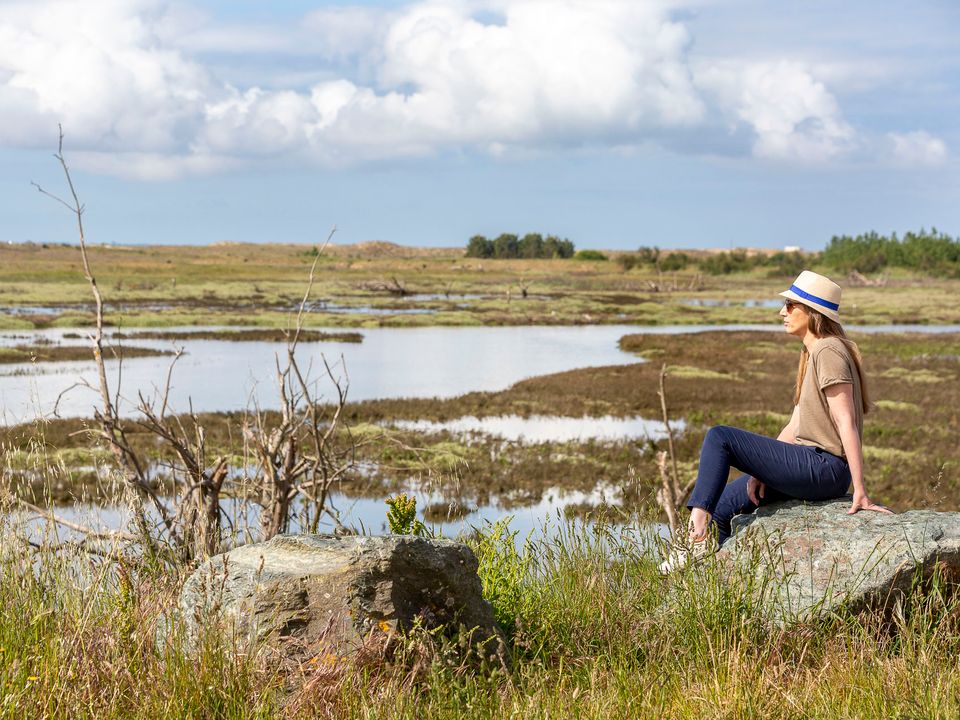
(317,595)
(817,558)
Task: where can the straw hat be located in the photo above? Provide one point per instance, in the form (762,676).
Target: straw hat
(817,292)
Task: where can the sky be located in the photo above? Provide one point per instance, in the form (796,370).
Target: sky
(615,123)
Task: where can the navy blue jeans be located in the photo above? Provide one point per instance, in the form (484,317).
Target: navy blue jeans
(789,471)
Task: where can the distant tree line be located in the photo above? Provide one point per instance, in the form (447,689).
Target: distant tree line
(785,264)
(723,263)
(930,252)
(655,258)
(531,245)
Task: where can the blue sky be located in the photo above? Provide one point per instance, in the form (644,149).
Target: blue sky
(722,123)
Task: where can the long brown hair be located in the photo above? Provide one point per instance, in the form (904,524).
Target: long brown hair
(822,326)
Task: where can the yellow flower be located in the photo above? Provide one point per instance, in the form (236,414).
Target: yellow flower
(32,678)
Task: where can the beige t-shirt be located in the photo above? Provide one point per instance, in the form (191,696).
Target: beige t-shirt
(830,364)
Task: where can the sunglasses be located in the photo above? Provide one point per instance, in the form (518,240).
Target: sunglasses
(789,305)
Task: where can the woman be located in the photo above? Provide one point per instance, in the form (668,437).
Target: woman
(816,456)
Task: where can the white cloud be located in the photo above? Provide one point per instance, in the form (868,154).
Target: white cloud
(97,67)
(126,79)
(793,115)
(552,71)
(339,32)
(121,79)
(918,148)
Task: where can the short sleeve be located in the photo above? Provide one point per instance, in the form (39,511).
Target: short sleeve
(833,367)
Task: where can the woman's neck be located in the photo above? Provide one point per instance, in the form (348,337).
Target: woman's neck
(809,339)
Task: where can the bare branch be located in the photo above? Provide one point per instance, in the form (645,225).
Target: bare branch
(310,281)
(90,532)
(670,496)
(166,387)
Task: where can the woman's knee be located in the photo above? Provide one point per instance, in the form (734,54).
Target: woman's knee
(718,435)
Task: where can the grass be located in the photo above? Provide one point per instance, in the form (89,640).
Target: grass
(594,631)
(64,353)
(257,285)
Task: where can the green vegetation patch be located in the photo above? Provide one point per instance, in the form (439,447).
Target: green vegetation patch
(896,405)
(68,353)
(257,335)
(689,371)
(920,375)
(887,455)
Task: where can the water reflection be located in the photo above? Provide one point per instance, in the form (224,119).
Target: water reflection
(365,515)
(545,428)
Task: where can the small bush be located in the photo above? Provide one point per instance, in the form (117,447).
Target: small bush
(675,261)
(590,255)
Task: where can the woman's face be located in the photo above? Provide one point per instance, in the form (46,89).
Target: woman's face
(795,318)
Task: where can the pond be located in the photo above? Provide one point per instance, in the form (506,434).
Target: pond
(547,428)
(390,363)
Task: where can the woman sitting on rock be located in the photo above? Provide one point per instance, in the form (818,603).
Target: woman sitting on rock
(816,456)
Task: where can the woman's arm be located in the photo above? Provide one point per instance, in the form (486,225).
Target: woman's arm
(840,402)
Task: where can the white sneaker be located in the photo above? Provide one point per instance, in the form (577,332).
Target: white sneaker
(683,551)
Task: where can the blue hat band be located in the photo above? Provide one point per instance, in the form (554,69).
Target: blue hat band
(813,298)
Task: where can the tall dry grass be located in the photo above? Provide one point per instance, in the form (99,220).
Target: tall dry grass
(594,631)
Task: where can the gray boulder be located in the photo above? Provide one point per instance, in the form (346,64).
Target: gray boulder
(813,558)
(317,595)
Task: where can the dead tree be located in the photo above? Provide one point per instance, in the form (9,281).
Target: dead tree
(295,457)
(524,286)
(393,287)
(671,494)
(299,455)
(112,430)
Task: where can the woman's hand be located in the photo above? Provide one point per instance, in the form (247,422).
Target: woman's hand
(862,502)
(755,490)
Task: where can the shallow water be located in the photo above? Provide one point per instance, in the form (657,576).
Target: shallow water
(217,375)
(389,363)
(321,307)
(696,302)
(546,428)
(365,515)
